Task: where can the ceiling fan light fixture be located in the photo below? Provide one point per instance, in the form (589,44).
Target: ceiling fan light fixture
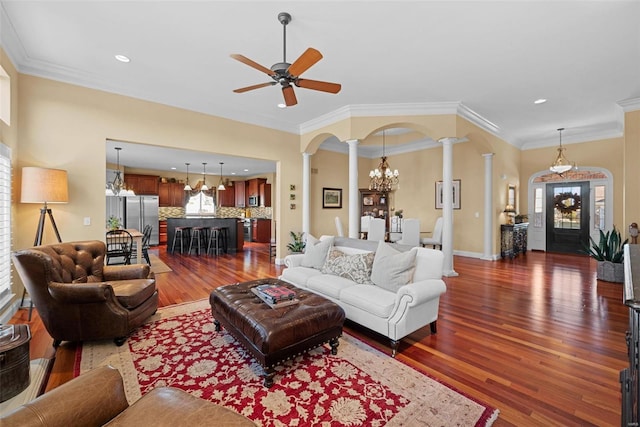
(287,74)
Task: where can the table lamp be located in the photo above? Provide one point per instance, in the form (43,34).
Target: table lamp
(40,185)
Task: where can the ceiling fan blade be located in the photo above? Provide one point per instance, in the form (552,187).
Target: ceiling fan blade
(318,85)
(253,64)
(289,96)
(258,86)
(306,60)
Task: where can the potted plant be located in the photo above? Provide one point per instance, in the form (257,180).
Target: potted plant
(298,244)
(609,253)
(113,223)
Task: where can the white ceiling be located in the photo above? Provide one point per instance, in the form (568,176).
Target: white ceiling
(495,58)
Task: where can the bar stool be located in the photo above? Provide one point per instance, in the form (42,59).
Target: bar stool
(214,239)
(181,233)
(224,233)
(197,236)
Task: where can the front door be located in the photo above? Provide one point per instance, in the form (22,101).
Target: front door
(567,217)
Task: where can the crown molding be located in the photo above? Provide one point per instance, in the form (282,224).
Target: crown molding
(631,104)
(378,110)
(578,135)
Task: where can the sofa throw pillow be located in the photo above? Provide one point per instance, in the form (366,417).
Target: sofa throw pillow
(315,252)
(391,268)
(355,267)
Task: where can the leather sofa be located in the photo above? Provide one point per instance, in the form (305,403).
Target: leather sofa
(79,298)
(393,311)
(98,398)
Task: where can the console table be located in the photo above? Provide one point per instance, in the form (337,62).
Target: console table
(513,239)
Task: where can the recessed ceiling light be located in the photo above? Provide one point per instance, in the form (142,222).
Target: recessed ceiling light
(282,105)
(246,170)
(540,101)
(233,173)
(173,168)
(123,58)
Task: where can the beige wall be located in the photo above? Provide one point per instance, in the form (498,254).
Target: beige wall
(332,172)
(631,183)
(66,126)
(606,153)
(419,172)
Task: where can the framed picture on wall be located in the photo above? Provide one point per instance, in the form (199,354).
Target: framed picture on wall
(331,198)
(456,194)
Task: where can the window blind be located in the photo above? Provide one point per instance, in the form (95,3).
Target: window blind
(5,222)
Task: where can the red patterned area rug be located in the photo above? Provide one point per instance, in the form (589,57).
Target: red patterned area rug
(360,386)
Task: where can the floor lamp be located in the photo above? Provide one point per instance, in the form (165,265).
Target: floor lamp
(40,185)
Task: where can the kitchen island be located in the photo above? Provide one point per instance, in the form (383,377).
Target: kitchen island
(235,225)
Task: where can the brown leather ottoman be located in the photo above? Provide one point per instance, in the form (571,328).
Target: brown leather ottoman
(273,335)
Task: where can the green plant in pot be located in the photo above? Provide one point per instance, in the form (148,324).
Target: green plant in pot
(609,252)
(113,223)
(297,245)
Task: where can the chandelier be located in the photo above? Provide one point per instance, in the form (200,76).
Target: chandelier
(117,186)
(382,178)
(561,164)
(221,185)
(187,187)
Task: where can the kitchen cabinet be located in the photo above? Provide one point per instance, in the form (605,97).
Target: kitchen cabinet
(162,226)
(171,194)
(265,195)
(253,186)
(227,197)
(142,185)
(240,193)
(261,230)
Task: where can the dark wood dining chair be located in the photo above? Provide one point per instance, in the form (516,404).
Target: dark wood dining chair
(119,245)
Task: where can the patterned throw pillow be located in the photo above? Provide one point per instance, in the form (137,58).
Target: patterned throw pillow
(354,267)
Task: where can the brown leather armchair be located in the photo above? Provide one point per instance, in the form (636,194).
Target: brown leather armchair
(79,298)
(97,398)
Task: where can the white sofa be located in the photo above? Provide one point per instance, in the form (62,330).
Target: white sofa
(394,311)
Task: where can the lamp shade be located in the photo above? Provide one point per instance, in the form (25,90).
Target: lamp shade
(40,185)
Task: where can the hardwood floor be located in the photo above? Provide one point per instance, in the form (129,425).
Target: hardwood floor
(536,337)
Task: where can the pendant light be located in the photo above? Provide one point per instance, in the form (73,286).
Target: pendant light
(382,179)
(561,164)
(187,187)
(117,187)
(204,179)
(221,185)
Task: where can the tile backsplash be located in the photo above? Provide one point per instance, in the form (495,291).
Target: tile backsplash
(222,212)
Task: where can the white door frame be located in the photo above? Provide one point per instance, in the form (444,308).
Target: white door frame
(537,222)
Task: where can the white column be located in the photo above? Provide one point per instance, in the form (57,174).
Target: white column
(488,207)
(306,192)
(354,209)
(447,205)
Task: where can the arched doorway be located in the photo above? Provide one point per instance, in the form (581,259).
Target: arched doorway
(565,211)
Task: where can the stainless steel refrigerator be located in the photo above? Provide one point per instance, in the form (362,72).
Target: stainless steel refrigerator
(136,212)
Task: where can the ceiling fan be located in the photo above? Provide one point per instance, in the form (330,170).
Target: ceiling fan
(289,74)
